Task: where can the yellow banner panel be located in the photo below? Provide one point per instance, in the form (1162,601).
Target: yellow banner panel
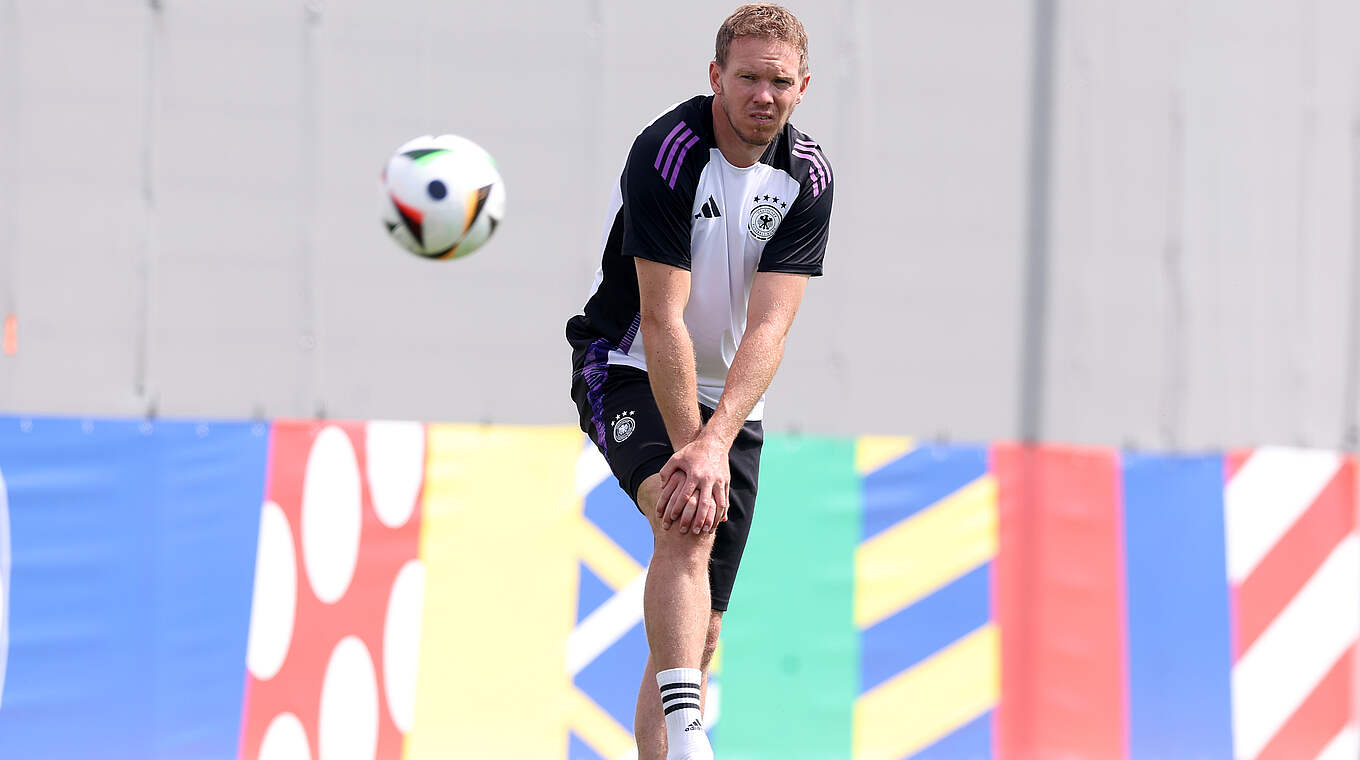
(498,542)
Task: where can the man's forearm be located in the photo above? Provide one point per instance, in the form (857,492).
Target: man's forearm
(670,368)
(752,370)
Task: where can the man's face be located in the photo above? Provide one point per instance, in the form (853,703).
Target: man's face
(758,87)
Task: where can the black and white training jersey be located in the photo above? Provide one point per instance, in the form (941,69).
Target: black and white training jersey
(680,202)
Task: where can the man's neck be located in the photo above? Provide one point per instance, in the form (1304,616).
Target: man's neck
(737,151)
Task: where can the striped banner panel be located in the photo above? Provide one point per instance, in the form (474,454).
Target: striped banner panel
(1293,561)
(929,668)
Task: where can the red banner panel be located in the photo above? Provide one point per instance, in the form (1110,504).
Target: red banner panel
(1060,592)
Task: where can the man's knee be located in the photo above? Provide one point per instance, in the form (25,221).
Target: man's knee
(672,544)
(649,490)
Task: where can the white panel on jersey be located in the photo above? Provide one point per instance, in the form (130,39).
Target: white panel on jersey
(736,212)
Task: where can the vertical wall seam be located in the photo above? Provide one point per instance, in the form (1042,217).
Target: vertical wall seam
(9,110)
(9,200)
(1300,350)
(151,107)
(1175,338)
(1350,433)
(310,344)
(1034,318)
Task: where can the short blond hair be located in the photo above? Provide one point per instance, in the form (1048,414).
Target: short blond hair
(766,21)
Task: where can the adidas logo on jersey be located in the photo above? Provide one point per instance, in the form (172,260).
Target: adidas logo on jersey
(695,726)
(709,210)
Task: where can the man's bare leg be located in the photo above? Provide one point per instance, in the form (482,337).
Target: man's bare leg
(676,608)
(649,727)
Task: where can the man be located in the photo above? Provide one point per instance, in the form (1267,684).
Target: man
(720,216)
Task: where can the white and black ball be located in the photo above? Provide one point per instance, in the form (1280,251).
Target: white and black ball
(442,197)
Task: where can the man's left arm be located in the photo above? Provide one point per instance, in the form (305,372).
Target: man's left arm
(775,297)
(793,255)
(774,301)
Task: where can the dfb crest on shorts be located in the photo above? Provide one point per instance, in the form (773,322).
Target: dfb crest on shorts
(766,216)
(623,426)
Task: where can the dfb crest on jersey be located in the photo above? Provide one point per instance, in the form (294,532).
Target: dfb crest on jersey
(623,426)
(766,216)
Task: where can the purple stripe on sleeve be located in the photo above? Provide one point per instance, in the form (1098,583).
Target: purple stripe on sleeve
(666,143)
(675,146)
(818,180)
(815,155)
(676,174)
(822,162)
(818,169)
(808,145)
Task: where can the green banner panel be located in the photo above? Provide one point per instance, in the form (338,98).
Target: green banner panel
(790,647)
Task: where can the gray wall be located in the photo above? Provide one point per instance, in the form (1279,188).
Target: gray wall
(188,221)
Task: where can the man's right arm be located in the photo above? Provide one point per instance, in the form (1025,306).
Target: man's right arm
(658,200)
(664,291)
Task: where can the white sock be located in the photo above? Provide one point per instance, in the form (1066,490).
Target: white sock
(685,737)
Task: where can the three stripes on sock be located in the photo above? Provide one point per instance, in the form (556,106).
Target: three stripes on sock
(685,737)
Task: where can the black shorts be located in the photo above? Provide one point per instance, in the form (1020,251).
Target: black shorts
(620,415)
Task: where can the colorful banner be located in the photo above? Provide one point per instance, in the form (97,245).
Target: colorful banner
(923,602)
(132,550)
(330,590)
(338,592)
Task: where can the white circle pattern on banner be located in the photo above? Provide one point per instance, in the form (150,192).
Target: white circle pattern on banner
(273,607)
(401,643)
(348,721)
(395,454)
(332,514)
(285,739)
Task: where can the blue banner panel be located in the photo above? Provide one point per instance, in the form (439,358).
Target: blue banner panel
(133,554)
(1180,656)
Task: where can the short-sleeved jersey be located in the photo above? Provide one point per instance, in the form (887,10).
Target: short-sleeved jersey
(680,202)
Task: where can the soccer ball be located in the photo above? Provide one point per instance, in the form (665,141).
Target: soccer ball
(442,197)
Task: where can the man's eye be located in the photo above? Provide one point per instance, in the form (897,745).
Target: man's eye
(751,77)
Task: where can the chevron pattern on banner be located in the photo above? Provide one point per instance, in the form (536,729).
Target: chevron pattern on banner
(929,644)
(607,648)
